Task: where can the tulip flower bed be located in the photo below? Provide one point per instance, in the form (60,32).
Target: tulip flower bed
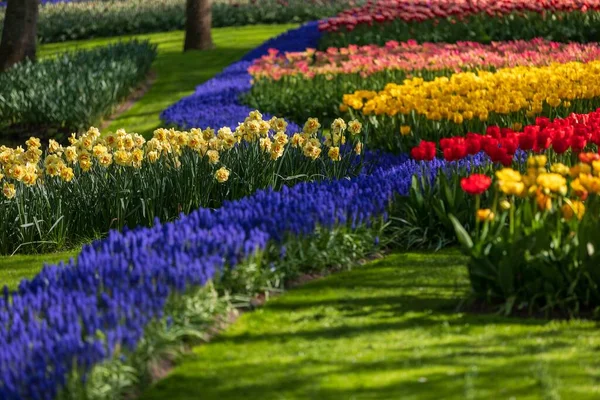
(529,224)
(535,247)
(379,21)
(319,79)
(559,139)
(470,101)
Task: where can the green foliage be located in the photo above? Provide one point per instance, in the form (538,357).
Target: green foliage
(73,90)
(557,26)
(92,19)
(424,218)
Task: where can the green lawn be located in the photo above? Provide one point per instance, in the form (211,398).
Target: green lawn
(15,268)
(177,73)
(389,330)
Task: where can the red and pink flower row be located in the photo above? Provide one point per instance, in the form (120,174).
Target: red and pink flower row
(411,56)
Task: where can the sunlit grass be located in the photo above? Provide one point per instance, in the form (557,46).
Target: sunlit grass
(15,268)
(389,330)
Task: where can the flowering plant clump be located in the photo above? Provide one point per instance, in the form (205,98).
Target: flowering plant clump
(536,245)
(470,101)
(319,79)
(58,195)
(455,20)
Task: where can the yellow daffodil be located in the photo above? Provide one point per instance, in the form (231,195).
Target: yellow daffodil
(8,189)
(222,175)
(334,153)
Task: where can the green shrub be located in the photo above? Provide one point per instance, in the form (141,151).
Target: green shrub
(70,21)
(71,91)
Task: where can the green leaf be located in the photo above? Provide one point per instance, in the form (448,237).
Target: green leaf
(463,236)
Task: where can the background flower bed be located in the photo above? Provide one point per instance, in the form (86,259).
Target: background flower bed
(71,91)
(377,22)
(90,19)
(319,79)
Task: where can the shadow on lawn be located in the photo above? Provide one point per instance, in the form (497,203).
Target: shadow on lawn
(392,332)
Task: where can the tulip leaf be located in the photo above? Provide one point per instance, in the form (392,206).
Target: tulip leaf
(463,236)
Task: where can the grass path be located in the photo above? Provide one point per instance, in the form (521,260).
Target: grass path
(177,73)
(389,330)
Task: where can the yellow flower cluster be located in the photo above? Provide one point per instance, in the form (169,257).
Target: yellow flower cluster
(19,165)
(546,185)
(474,95)
(128,150)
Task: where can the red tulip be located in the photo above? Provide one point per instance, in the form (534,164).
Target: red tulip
(476,184)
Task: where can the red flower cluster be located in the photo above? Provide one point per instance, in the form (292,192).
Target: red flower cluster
(476,184)
(381,11)
(425,151)
(574,132)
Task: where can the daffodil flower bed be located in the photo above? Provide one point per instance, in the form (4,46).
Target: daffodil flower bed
(61,195)
(471,101)
(319,79)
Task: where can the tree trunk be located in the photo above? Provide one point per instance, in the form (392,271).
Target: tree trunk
(197,25)
(19,35)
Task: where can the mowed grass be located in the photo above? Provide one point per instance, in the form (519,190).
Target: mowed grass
(177,73)
(15,268)
(389,330)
